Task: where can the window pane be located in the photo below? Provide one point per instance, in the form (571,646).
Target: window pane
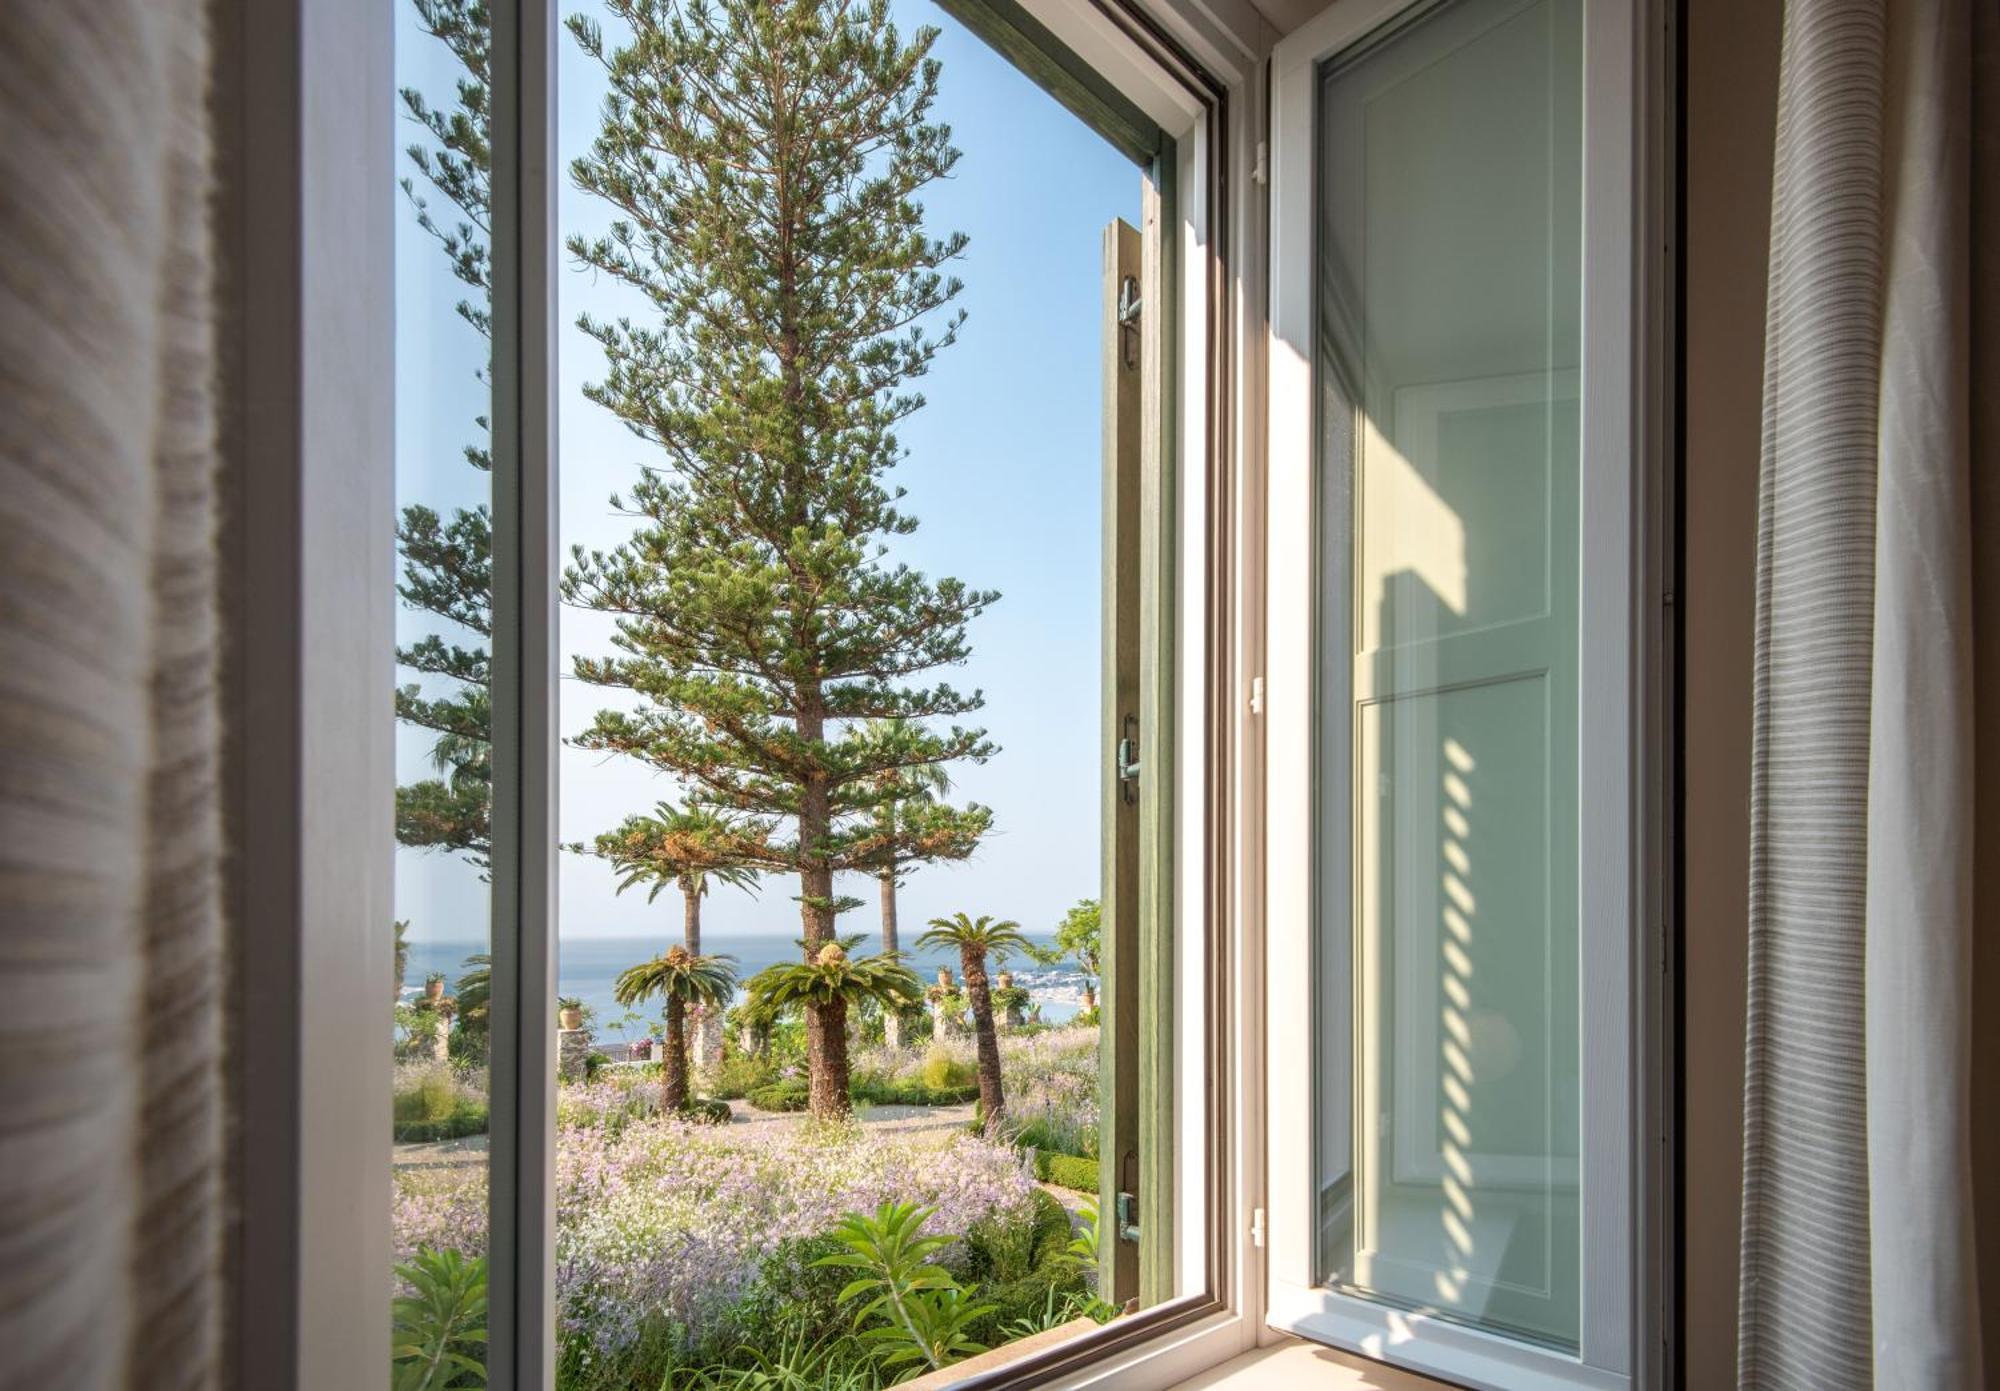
(443,631)
(1449,278)
(810,718)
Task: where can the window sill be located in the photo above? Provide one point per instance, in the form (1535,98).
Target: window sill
(1002,1356)
(1297,1365)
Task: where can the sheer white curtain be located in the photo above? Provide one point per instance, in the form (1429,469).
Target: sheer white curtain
(1857,1219)
(111,1135)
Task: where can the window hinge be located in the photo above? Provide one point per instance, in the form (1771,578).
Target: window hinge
(1256,695)
(1128,760)
(1258,173)
(1257,1228)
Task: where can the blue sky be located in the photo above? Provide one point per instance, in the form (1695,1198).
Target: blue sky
(1002,471)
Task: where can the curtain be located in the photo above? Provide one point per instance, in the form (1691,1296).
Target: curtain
(1857,1264)
(111,1129)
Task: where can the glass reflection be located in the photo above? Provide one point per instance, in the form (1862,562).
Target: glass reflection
(1450,269)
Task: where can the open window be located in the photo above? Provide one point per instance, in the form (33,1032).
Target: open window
(679,854)
(1464,609)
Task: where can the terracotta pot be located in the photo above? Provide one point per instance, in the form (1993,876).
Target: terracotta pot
(570,1018)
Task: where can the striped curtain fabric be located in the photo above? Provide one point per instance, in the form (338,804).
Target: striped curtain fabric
(111,961)
(1857,1254)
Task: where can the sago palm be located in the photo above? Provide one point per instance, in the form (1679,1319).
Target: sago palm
(827,985)
(682,979)
(687,847)
(978,940)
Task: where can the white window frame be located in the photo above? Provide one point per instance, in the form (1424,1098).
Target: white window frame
(310,1313)
(1623,670)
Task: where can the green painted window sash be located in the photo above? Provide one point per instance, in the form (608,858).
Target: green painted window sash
(1137,1054)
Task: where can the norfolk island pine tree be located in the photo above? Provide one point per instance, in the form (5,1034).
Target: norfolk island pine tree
(762,162)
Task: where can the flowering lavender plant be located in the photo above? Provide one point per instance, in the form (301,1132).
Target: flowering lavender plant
(664,1222)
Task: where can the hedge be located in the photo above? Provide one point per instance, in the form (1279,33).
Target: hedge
(466,1120)
(1066,1171)
(779,1096)
(915,1093)
(793,1094)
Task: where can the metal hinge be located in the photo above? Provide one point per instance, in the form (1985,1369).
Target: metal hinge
(1257,1228)
(1127,1212)
(1128,759)
(1258,173)
(1256,695)
(1128,320)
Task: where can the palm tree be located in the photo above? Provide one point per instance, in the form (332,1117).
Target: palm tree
(402,955)
(687,848)
(976,940)
(831,981)
(904,791)
(913,825)
(475,993)
(683,979)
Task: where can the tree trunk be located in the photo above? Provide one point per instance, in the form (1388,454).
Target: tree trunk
(889,941)
(981,1001)
(892,1016)
(826,1052)
(674,1067)
(691,919)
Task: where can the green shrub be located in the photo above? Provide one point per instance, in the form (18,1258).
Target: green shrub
(912,1314)
(913,1092)
(439,1335)
(942,1072)
(792,1291)
(1049,1138)
(788,1095)
(432,1103)
(792,1093)
(1024,1270)
(708,1109)
(1067,1171)
(471,1120)
(740,1074)
(799,1362)
(432,1095)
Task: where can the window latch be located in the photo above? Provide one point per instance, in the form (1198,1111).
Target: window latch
(1127,1211)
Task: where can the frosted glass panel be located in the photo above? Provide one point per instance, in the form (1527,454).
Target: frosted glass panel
(1449,276)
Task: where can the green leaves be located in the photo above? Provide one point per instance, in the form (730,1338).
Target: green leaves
(1083,1246)
(678,974)
(447,564)
(1079,938)
(918,1311)
(439,1333)
(762,164)
(684,847)
(834,975)
(983,936)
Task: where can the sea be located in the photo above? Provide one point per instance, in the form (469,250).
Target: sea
(587,966)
